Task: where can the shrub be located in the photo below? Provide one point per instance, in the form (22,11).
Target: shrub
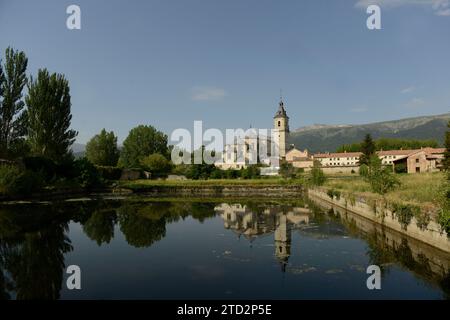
(381,179)
(109,173)
(157,164)
(42,165)
(287,170)
(404,213)
(317,177)
(87,175)
(251,172)
(334,193)
(15,181)
(217,174)
(364,170)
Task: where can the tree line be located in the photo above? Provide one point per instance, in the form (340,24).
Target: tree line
(390,144)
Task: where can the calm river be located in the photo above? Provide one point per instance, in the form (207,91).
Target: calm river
(199,249)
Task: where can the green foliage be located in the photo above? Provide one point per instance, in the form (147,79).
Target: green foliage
(109,172)
(200,171)
(87,175)
(404,213)
(381,179)
(142,141)
(317,177)
(251,172)
(181,169)
(444,201)
(446,161)
(391,144)
(157,164)
(41,165)
(401,168)
(368,149)
(332,193)
(12,118)
(287,170)
(102,150)
(49,116)
(364,170)
(17,182)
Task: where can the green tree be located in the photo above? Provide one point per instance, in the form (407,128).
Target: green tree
(157,164)
(12,118)
(381,179)
(447,150)
(142,141)
(317,176)
(287,170)
(368,149)
(102,149)
(251,172)
(391,144)
(49,116)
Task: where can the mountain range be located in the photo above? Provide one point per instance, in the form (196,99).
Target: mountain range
(327,138)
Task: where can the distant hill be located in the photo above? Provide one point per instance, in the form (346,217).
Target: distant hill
(78,150)
(325,138)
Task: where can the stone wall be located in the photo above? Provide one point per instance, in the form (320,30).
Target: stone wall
(223,191)
(380,213)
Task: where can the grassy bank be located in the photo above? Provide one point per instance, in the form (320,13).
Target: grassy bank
(416,189)
(421,191)
(143,184)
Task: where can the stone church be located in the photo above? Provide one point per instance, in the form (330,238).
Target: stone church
(247,151)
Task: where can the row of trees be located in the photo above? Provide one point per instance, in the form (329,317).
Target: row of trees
(39,123)
(390,144)
(143,147)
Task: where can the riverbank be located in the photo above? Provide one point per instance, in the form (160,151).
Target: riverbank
(412,210)
(275,187)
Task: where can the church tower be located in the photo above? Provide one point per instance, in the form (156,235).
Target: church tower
(281,129)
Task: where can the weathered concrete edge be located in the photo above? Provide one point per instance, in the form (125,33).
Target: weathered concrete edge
(288,192)
(432,234)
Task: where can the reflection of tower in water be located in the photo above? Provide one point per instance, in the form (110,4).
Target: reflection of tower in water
(250,224)
(282,237)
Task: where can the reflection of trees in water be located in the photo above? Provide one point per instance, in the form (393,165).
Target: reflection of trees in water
(145,223)
(139,230)
(32,257)
(100,226)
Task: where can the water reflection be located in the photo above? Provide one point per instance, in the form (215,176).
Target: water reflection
(254,222)
(34,237)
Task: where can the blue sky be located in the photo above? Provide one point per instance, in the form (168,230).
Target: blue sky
(168,63)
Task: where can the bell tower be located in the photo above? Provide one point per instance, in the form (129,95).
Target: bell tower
(281,128)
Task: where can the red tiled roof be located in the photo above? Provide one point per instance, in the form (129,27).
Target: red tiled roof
(410,151)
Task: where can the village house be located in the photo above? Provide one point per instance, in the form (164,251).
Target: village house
(413,161)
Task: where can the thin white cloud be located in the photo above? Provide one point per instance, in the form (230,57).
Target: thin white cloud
(439,7)
(415,103)
(444,13)
(208,94)
(408,90)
